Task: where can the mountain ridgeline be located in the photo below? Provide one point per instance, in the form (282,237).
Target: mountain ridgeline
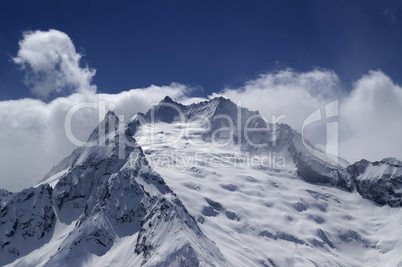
(231,124)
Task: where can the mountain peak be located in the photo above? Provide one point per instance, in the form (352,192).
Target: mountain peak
(221,100)
(110,113)
(108,125)
(167,99)
(392,161)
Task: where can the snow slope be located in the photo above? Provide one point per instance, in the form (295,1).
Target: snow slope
(264,215)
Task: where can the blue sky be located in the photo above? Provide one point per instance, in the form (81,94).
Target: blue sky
(208,44)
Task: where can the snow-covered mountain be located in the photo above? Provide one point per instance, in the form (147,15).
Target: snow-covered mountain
(208,184)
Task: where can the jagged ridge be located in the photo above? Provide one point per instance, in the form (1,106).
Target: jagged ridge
(109,192)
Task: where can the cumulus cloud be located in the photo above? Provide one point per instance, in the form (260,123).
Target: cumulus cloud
(287,92)
(371,119)
(52,64)
(369,115)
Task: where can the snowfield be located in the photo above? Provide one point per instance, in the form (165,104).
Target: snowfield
(262,215)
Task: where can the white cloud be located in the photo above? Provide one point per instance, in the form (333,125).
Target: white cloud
(371,119)
(369,116)
(52,64)
(288,92)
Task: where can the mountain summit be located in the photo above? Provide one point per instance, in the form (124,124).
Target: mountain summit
(206,184)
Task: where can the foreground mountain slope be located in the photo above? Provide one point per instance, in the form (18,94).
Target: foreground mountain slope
(108,197)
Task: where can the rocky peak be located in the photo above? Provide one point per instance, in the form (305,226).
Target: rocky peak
(167,99)
(108,126)
(379,181)
(27,221)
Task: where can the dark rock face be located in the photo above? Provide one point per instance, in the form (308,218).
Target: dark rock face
(316,172)
(27,218)
(282,236)
(379,181)
(166,111)
(299,206)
